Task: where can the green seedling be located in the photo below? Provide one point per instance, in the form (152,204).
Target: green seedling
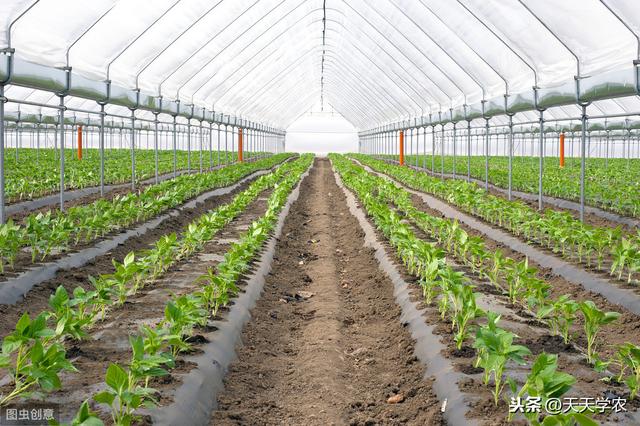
(594,319)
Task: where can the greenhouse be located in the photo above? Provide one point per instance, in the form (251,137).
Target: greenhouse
(301,212)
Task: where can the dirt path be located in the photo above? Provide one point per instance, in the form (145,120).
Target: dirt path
(338,356)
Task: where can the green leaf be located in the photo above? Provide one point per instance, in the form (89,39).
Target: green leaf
(85,417)
(5,361)
(105,397)
(129,259)
(59,298)
(137,346)
(23,323)
(117,378)
(10,344)
(37,352)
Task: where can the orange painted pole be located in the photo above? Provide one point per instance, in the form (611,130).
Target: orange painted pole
(562,150)
(79,142)
(240,145)
(401,147)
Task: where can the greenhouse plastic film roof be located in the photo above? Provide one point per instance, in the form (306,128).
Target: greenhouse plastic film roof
(376,63)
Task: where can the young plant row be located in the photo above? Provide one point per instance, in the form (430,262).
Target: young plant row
(520,283)
(156,348)
(44,233)
(34,355)
(36,172)
(450,289)
(611,186)
(604,248)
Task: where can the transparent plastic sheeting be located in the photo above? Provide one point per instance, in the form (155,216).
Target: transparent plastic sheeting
(30,113)
(384,60)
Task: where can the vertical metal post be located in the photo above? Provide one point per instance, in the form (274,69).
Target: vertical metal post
(240,143)
(189,145)
(18,136)
(101,148)
(201,141)
(606,159)
(226,147)
(61,124)
(541,160)
(155,144)
(218,164)
(410,145)
(469,151)
(210,145)
(175,146)
(454,150)
(3,217)
(628,142)
(401,148)
(486,155)
(133,149)
(417,131)
(38,139)
(234,155)
(442,141)
(561,150)
(509,193)
(433,149)
(424,148)
(582,160)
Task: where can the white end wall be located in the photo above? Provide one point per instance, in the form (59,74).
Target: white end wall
(321,133)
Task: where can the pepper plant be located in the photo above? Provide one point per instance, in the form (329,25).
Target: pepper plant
(495,347)
(594,319)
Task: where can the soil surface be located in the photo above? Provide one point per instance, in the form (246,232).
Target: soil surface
(325,344)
